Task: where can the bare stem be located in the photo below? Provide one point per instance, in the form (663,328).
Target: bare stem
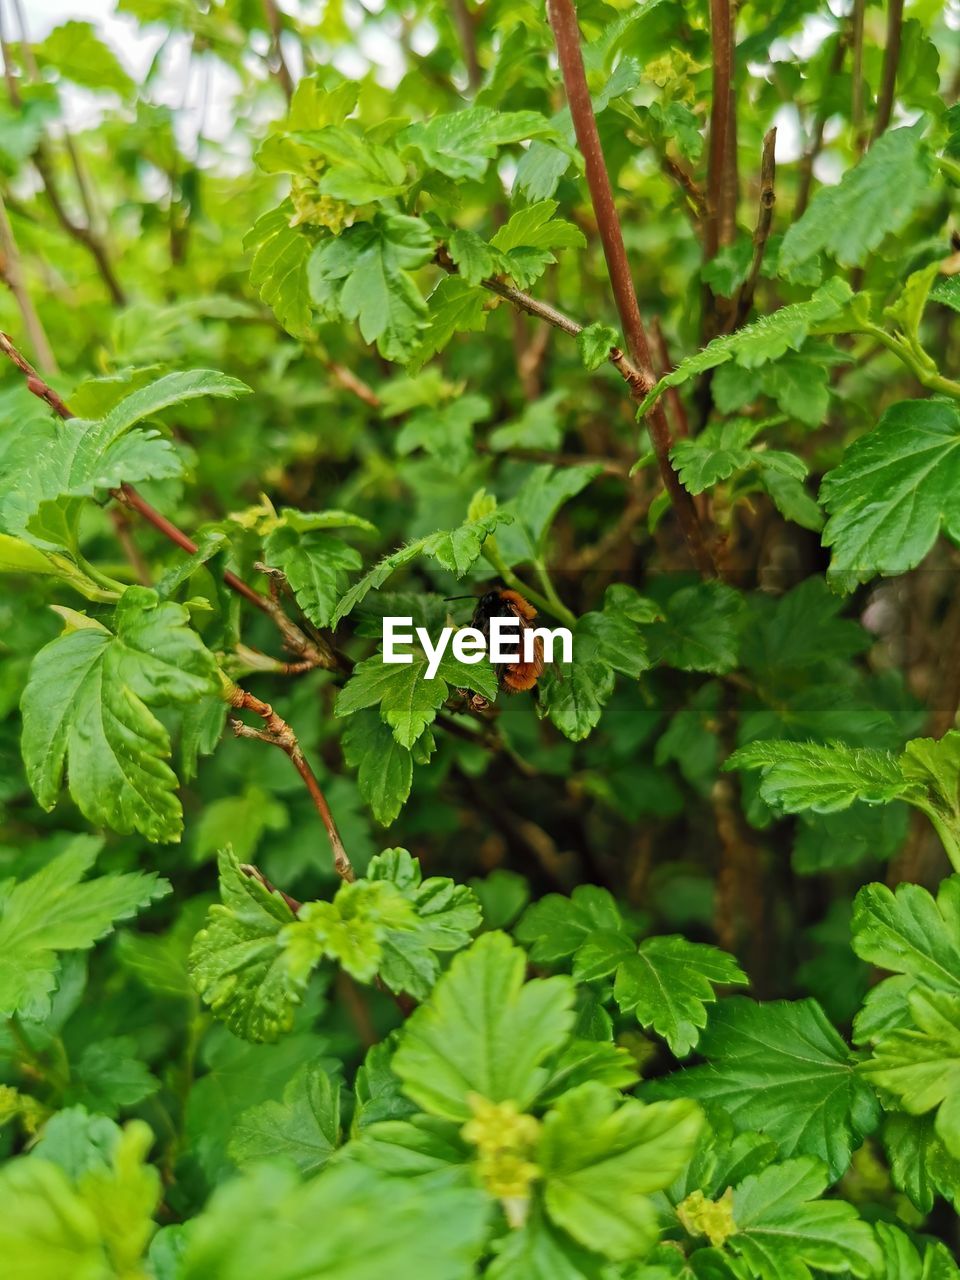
(11,268)
(768,198)
(280,69)
(278,733)
(721,35)
(891,63)
(563,20)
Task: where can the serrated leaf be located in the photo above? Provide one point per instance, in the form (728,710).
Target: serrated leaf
(279,268)
(316,566)
(876,198)
(781,1069)
(447,914)
(88,702)
(237,964)
(304,1127)
(784,1231)
(485,1031)
(894,491)
(920,1064)
(384,767)
(700,629)
(454,307)
(364,274)
(601,1161)
(52,911)
(455,549)
(594,343)
(761,342)
(472,255)
(669,982)
(408,700)
(908,931)
(574,695)
(806,775)
(557,926)
(462,143)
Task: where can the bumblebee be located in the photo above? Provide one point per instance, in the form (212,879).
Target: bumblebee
(514,677)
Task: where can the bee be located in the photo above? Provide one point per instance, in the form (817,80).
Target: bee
(514,677)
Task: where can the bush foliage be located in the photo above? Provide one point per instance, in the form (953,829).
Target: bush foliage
(311,966)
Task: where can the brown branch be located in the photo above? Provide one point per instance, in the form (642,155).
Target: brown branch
(135,557)
(563,20)
(278,733)
(11,269)
(721,36)
(678,412)
(805,172)
(294,638)
(768,198)
(463,20)
(891,64)
(685,181)
(280,68)
(856,103)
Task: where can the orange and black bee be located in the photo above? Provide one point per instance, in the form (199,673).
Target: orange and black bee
(514,677)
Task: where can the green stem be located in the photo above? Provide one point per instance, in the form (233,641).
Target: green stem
(923,374)
(548,603)
(946,830)
(557,607)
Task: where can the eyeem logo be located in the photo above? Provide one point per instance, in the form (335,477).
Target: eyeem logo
(506,644)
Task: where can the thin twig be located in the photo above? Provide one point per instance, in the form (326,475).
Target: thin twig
(856,103)
(255,873)
(891,64)
(721,37)
(685,181)
(278,733)
(280,68)
(805,171)
(296,640)
(768,198)
(464,22)
(678,412)
(563,20)
(83,234)
(135,557)
(11,269)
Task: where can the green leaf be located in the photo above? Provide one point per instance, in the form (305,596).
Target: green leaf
(574,695)
(757,344)
(669,982)
(557,926)
(781,1069)
(446,432)
(539,1251)
(88,702)
(533,510)
(700,630)
(875,199)
(346,1223)
(316,565)
(351,930)
(485,1031)
(595,342)
(462,143)
(795,776)
(359,169)
(96,1225)
(784,1230)
(472,255)
(237,963)
(76,52)
(894,492)
(384,767)
(447,914)
(363,275)
(279,268)
(601,1161)
(52,911)
(928,1260)
(920,1065)
(525,241)
(454,549)
(82,458)
(908,931)
(408,700)
(304,1127)
(454,307)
